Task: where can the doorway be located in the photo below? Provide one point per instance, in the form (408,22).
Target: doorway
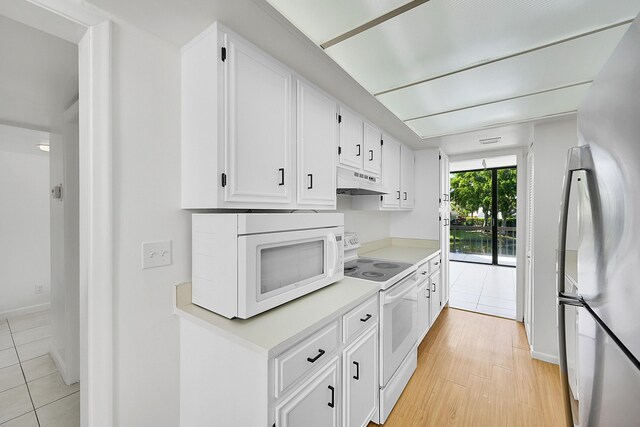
(483,216)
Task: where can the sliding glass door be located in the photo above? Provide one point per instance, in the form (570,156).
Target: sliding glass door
(483,217)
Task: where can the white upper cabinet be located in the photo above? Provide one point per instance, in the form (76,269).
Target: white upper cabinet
(351,140)
(407,178)
(316,145)
(372,150)
(391,172)
(239,115)
(258,138)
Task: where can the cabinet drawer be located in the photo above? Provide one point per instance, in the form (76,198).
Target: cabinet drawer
(359,318)
(434,264)
(300,359)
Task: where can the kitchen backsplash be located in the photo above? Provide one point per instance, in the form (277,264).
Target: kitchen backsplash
(370,225)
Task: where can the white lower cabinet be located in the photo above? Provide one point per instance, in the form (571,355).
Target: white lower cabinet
(316,403)
(436,295)
(424,309)
(360,374)
(327,377)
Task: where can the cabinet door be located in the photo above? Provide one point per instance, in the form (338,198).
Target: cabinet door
(315,403)
(361,380)
(317,145)
(351,140)
(258,137)
(391,172)
(407,180)
(372,150)
(436,301)
(424,307)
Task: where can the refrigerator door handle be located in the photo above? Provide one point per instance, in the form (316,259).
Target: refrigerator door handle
(578,159)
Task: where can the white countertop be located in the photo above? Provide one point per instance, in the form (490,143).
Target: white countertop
(275,330)
(403,254)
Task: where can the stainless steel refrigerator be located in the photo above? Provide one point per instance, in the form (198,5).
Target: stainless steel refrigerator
(607,162)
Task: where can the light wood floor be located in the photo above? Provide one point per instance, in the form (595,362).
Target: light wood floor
(475,370)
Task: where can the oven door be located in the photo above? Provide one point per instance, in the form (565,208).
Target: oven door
(399,325)
(274,268)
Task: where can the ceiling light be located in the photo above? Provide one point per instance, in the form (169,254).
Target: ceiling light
(43,147)
(490,140)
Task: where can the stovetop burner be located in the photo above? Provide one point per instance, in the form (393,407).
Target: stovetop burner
(372,274)
(377,270)
(385,265)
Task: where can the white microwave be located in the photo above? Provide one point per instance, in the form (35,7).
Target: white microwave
(245,264)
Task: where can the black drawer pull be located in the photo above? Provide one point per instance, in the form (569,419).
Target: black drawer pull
(405,195)
(333,397)
(358,145)
(365,318)
(357,375)
(320,353)
(310,175)
(398,196)
(370,155)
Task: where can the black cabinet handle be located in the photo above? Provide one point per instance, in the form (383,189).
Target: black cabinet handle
(433,287)
(370,155)
(281,176)
(320,353)
(405,195)
(357,375)
(310,175)
(358,145)
(398,196)
(365,318)
(333,397)
(428,293)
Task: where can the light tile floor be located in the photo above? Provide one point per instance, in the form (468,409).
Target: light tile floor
(486,289)
(32,392)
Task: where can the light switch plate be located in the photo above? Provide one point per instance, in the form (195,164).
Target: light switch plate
(156,254)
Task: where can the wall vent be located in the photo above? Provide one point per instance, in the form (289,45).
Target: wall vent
(490,140)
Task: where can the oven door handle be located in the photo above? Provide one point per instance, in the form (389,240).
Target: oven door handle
(403,290)
(333,254)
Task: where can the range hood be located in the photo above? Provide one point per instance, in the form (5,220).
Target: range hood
(358,183)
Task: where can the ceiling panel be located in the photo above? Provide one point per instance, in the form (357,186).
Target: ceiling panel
(323,20)
(560,65)
(442,36)
(521,109)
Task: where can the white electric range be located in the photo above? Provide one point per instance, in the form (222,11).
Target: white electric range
(398,327)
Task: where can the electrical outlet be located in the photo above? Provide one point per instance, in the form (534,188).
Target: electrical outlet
(39,289)
(156,254)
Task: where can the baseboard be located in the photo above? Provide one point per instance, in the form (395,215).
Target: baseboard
(25,310)
(57,359)
(545,357)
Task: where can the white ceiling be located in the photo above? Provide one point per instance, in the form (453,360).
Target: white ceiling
(449,66)
(38,75)
(466,64)
(511,137)
(20,140)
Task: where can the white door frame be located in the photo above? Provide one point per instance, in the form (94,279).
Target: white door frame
(91,31)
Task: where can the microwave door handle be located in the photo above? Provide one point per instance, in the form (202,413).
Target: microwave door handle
(332,248)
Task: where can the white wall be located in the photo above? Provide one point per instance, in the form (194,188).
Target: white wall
(551,141)
(370,225)
(146,197)
(422,222)
(24,230)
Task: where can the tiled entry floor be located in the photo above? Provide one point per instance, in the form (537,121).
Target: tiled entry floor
(483,288)
(32,392)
